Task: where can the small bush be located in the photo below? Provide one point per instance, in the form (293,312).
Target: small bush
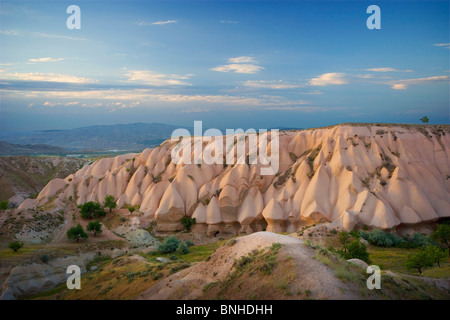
(15,245)
(44,258)
(4,205)
(189,243)
(169,245)
(356,250)
(382,239)
(188,222)
(182,249)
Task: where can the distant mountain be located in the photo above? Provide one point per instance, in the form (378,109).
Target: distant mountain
(120,137)
(20,150)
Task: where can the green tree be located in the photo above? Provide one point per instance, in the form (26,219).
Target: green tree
(91,210)
(131,209)
(94,226)
(436,254)
(15,245)
(76,233)
(442,235)
(419,261)
(110,203)
(344,239)
(424,119)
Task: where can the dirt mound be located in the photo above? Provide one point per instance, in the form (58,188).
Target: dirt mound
(263,265)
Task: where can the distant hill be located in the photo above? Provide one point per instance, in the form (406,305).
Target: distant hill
(121,137)
(10,149)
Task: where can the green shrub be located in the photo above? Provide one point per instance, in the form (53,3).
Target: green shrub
(420,240)
(76,233)
(187,222)
(44,258)
(4,205)
(355,250)
(189,243)
(169,245)
(381,239)
(182,248)
(91,210)
(15,245)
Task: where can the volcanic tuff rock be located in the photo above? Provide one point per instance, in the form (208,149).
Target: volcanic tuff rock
(376,175)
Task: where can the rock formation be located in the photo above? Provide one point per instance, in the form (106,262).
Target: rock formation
(376,175)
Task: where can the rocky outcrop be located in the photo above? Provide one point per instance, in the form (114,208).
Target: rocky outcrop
(380,176)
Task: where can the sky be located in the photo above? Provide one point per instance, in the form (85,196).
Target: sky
(230,64)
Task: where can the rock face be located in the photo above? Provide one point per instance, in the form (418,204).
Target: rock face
(379,176)
(33,278)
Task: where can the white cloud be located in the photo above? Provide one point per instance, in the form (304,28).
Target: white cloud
(313,92)
(148,95)
(238,68)
(387,69)
(164,22)
(52,77)
(228,21)
(195,110)
(49,104)
(48,59)
(447,45)
(399,86)
(242,64)
(11,32)
(156,23)
(242,59)
(157,79)
(57,36)
(329,78)
(275,84)
(403,84)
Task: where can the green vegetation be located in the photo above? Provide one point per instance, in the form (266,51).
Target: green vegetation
(94,226)
(436,254)
(15,245)
(352,248)
(424,119)
(442,235)
(188,222)
(169,245)
(110,203)
(76,233)
(4,205)
(131,209)
(381,238)
(182,249)
(91,210)
(419,261)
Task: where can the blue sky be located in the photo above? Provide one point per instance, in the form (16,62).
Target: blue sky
(256,64)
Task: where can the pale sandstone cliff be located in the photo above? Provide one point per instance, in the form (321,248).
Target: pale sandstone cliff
(380,176)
